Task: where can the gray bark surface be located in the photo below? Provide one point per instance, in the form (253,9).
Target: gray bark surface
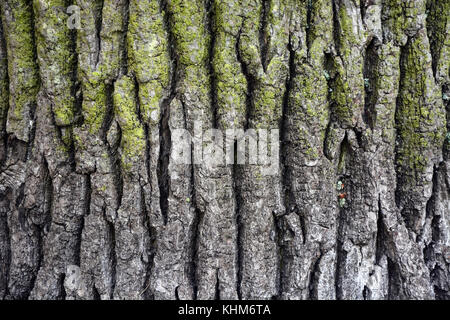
(93,204)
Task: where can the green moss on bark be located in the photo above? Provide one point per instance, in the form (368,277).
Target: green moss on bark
(148,56)
(17,18)
(231,84)
(56,56)
(4,84)
(420,115)
(133,137)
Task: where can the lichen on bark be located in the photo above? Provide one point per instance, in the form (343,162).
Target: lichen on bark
(95,205)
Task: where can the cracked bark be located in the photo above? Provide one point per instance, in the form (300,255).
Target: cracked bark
(94,205)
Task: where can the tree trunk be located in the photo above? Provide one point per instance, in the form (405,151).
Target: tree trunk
(95,205)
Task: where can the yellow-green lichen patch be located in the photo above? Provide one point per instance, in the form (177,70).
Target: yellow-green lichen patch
(344,107)
(268,100)
(148,55)
(319,29)
(133,136)
(347,22)
(4,84)
(348,84)
(56,56)
(386,82)
(308,108)
(188,29)
(94,104)
(420,114)
(112,36)
(267,64)
(98,75)
(17,18)
(401,17)
(230,82)
(87,36)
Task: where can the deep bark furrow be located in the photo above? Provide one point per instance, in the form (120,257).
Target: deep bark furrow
(286,182)
(98,27)
(4,92)
(122,140)
(5,242)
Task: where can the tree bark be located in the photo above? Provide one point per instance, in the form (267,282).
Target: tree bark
(93,204)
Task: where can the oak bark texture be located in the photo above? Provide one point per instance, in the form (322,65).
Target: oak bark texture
(93,205)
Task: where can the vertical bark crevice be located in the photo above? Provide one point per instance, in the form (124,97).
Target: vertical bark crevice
(329,73)
(210,9)
(149,261)
(62,290)
(395,281)
(344,153)
(336,27)
(194,232)
(284,127)
(112,150)
(237,171)
(76,91)
(112,256)
(264,37)
(5,246)
(434,249)
(95,293)
(239,233)
(340,261)
(164,128)
(363,7)
(341,253)
(217,294)
(124,46)
(352,108)
(314,277)
(371,62)
(308,28)
(33,105)
(164,158)
(380,246)
(86,192)
(403,53)
(286,182)
(100,4)
(40,229)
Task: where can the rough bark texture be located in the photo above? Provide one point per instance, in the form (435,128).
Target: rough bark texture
(93,205)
